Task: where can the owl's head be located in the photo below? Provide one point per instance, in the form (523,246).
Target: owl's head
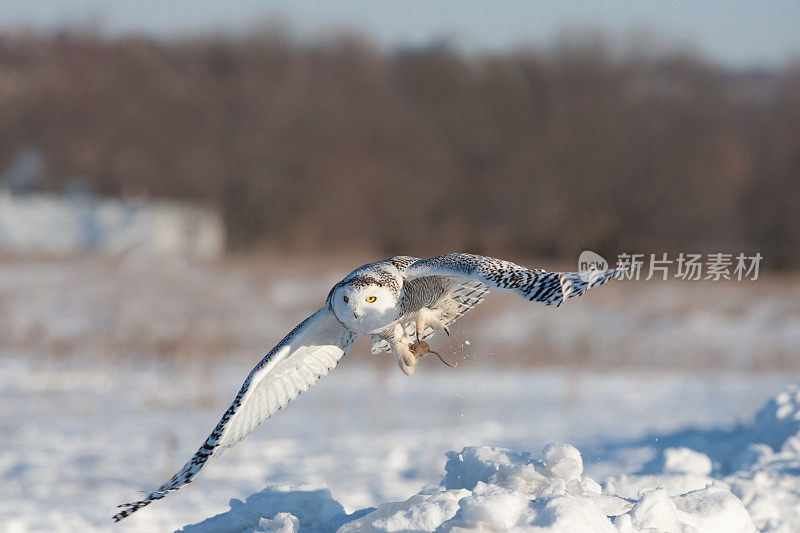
(364,306)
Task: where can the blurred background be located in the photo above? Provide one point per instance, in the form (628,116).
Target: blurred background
(258,137)
(259,141)
(373,134)
(181,183)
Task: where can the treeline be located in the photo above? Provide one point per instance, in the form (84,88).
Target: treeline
(341,144)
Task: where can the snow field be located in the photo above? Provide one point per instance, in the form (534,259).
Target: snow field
(91,415)
(84,435)
(494,489)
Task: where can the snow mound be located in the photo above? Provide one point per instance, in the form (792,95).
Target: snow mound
(767,479)
(282,523)
(777,424)
(748,478)
(761,461)
(281,509)
(686,461)
(491,489)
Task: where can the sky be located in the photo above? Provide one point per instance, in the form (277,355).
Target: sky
(737,33)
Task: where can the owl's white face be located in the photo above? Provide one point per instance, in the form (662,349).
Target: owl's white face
(365,309)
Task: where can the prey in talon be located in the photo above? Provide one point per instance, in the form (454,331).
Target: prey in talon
(424,319)
(421,323)
(421,349)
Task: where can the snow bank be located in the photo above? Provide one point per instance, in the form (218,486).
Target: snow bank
(768,478)
(777,424)
(761,461)
(491,489)
(301,509)
(495,489)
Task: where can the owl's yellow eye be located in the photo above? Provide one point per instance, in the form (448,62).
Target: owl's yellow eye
(346,299)
(371,299)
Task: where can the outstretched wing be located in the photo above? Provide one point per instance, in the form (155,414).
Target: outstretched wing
(548,288)
(456,283)
(469,278)
(306,354)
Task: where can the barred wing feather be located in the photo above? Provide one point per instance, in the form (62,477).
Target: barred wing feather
(548,288)
(306,354)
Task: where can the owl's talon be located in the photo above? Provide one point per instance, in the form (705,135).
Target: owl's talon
(429,318)
(406,359)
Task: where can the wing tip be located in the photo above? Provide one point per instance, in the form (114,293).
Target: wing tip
(129,508)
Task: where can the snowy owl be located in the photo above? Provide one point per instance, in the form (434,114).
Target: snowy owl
(400,302)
